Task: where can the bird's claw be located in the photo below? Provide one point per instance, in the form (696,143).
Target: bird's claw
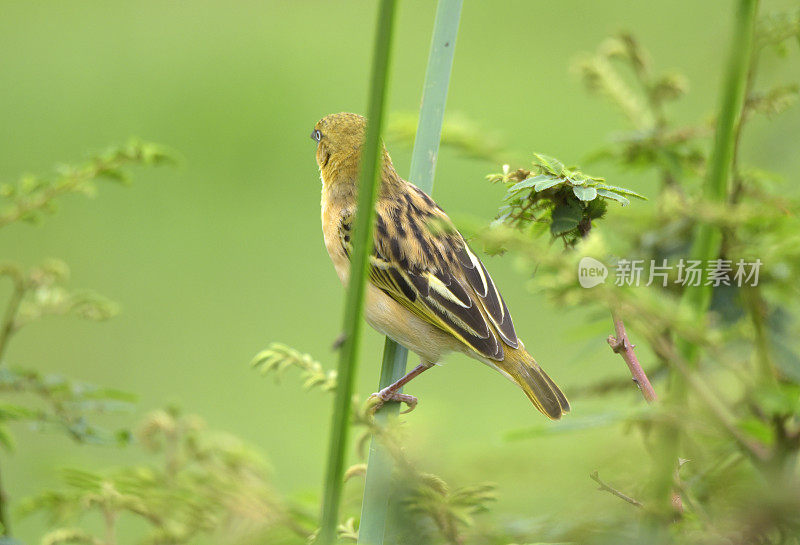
(378,399)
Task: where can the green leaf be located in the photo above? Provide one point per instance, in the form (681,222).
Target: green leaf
(528,182)
(585,193)
(669,87)
(115,174)
(622,191)
(566,217)
(547,183)
(550,164)
(575,176)
(611,195)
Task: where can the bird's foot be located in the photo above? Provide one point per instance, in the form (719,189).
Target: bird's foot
(378,399)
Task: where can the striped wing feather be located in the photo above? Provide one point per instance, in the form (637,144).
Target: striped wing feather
(436,276)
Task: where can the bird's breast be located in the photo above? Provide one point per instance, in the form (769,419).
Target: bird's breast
(331,215)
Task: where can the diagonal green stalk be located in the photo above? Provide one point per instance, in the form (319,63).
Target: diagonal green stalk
(362,246)
(706,244)
(377,487)
(707,238)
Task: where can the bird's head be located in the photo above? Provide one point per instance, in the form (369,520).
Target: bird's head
(339,140)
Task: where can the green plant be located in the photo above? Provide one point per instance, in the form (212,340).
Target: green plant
(722,466)
(32,195)
(378,486)
(413,496)
(727,471)
(361,241)
(195,481)
(51,401)
(198,482)
(560,198)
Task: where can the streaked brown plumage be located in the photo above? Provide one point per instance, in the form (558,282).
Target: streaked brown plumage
(426,290)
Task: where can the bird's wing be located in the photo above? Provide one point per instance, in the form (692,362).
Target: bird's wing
(421,261)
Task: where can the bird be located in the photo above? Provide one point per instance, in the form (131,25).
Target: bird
(426,288)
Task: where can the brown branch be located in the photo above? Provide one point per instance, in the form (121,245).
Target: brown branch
(66,184)
(608,488)
(622,346)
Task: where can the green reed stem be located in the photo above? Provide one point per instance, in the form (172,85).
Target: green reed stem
(377,488)
(362,246)
(707,238)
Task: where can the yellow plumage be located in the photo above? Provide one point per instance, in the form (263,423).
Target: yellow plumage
(426,290)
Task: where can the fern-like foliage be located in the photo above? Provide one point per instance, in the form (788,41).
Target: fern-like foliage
(277,358)
(44,291)
(198,482)
(423,495)
(450,510)
(621,71)
(54,402)
(643,102)
(51,401)
(31,196)
(777,30)
(747,338)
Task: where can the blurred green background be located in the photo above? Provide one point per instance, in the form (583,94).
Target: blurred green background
(215,259)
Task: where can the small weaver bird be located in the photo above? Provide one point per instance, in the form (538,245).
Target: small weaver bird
(426,290)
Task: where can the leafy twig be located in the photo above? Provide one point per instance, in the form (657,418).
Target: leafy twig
(279,357)
(33,195)
(195,482)
(425,494)
(608,488)
(550,192)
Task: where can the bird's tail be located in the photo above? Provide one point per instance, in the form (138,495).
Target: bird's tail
(540,388)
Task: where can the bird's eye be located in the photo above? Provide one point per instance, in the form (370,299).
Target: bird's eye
(316,135)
